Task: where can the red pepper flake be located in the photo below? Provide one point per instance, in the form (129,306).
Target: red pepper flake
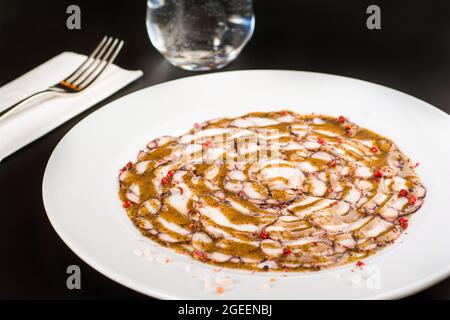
(342,119)
(220,290)
(199,255)
(330,190)
(332,163)
(164,180)
(206,144)
(374,149)
(263,235)
(335,203)
(416,165)
(360,264)
(403,222)
(348,128)
(170,174)
(412,200)
(284,113)
(287,251)
(403,193)
(321,141)
(126,204)
(129,165)
(378,174)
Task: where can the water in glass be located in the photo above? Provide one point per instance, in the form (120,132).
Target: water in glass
(200,34)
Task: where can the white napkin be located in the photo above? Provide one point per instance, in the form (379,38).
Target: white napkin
(46,113)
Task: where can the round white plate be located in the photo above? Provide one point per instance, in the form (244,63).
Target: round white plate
(80,188)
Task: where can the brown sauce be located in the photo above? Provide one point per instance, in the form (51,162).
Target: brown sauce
(319,193)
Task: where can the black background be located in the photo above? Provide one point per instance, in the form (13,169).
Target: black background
(410,53)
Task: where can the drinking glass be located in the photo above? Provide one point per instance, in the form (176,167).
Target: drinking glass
(200,34)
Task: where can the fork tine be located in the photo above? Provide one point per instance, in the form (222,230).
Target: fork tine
(90,57)
(97,63)
(107,60)
(98,52)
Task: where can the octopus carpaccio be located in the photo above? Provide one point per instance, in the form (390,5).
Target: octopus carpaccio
(316,192)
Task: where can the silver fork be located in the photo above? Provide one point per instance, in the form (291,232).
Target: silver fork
(81,78)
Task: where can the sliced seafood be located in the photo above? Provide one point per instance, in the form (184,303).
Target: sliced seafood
(272,191)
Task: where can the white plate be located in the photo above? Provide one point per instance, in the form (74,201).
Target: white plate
(80,184)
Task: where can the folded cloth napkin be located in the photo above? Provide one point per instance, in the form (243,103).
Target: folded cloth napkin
(42,115)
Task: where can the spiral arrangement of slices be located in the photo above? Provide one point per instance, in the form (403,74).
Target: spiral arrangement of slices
(320,192)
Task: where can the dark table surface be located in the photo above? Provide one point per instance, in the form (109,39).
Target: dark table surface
(410,53)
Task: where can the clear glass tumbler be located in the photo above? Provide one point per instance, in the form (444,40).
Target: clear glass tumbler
(200,34)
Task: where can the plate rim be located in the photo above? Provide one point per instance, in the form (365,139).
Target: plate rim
(117,277)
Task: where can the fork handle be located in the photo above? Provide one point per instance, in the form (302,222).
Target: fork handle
(8,111)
